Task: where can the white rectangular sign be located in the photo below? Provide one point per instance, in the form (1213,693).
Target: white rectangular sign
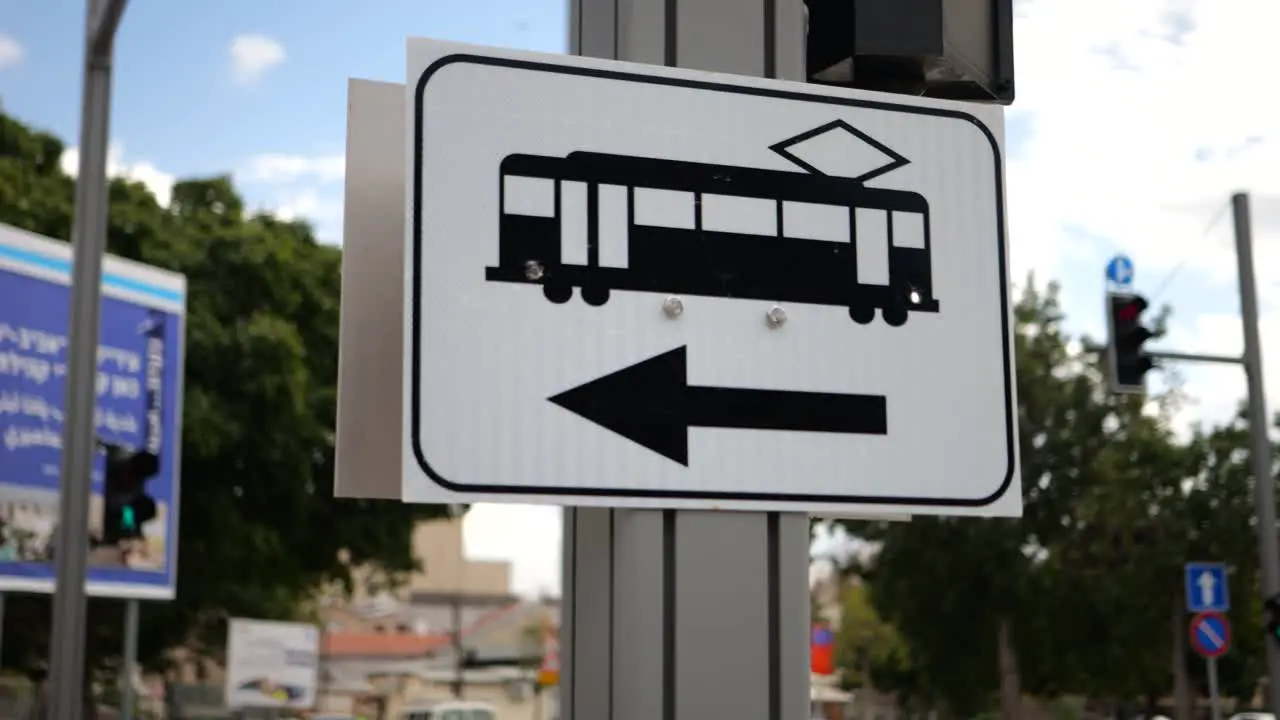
(641,286)
(272,664)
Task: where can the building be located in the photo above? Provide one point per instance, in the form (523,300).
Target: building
(388,648)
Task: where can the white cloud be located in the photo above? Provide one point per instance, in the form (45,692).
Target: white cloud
(304,204)
(280,168)
(11,52)
(1218,390)
(322,209)
(527,534)
(160,183)
(1137,138)
(302,187)
(253,55)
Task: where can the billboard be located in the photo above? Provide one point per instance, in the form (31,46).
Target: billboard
(133,512)
(272,664)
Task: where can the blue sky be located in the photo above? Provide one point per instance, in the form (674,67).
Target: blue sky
(179,104)
(1126,136)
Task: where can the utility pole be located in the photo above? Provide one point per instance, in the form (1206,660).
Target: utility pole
(1260,442)
(459,655)
(89,238)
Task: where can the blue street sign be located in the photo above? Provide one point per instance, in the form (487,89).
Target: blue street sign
(1120,271)
(1206,587)
(1210,634)
(139,407)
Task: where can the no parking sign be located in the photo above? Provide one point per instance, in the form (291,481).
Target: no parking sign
(1210,634)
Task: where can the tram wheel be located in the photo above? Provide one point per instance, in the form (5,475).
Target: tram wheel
(862,314)
(895,315)
(558,293)
(595,295)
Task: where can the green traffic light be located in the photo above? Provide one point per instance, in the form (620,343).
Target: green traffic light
(127,519)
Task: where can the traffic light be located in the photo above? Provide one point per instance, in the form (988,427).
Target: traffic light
(956,49)
(1129,364)
(126,505)
(1272,612)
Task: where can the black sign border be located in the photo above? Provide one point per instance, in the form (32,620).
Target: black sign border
(415,411)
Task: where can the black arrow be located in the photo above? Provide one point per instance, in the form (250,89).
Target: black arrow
(652,404)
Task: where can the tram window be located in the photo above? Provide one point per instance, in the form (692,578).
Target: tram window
(573,222)
(528,196)
(611,238)
(908,230)
(734,214)
(809,221)
(872,241)
(664,208)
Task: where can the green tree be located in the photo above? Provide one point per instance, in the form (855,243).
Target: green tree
(261,532)
(1087,584)
(1112,580)
(869,651)
(977,600)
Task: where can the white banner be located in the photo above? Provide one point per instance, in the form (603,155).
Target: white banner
(272,664)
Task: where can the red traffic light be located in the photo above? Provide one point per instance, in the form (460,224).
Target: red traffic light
(1128,363)
(1129,311)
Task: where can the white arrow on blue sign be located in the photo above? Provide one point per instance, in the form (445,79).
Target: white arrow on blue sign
(1206,587)
(1120,271)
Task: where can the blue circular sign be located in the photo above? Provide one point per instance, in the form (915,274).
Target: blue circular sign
(822,636)
(1120,270)
(1210,634)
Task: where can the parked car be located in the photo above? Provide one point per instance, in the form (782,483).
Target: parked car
(450,710)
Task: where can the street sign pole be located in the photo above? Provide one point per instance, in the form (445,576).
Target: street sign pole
(89,235)
(1260,446)
(129,664)
(1207,595)
(681,613)
(1210,635)
(1215,707)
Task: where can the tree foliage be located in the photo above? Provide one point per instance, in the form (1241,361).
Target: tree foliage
(1089,580)
(870,652)
(261,532)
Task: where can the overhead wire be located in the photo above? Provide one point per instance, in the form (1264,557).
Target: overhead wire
(1178,268)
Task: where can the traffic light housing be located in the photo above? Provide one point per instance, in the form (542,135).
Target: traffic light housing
(1129,362)
(1271,609)
(954,49)
(126,504)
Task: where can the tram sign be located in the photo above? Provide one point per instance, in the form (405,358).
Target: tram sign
(646,286)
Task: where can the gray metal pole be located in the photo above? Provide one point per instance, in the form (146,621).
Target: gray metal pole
(2,598)
(1215,707)
(683,614)
(459,654)
(1260,446)
(89,237)
(130,664)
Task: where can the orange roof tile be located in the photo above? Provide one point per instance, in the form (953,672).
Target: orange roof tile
(368,644)
(381,644)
